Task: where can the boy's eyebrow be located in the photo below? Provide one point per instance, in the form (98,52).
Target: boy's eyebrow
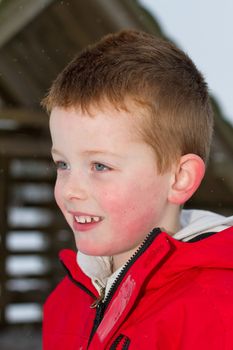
(91,152)
(96,152)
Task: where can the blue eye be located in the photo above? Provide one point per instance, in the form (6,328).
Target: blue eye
(61,165)
(100,167)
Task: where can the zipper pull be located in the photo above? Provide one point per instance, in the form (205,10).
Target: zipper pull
(100,297)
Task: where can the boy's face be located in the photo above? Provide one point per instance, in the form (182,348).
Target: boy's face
(108,176)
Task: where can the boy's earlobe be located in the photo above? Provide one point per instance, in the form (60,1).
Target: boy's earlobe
(187,177)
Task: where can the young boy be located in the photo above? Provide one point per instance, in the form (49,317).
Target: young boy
(131,127)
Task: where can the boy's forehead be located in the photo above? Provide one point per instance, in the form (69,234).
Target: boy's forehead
(107,131)
(104,118)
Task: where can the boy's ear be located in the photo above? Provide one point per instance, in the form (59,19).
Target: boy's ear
(187,176)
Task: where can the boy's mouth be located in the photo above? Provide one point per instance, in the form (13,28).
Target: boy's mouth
(85,221)
(81,219)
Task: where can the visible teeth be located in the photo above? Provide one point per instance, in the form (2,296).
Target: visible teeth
(81,219)
(86,219)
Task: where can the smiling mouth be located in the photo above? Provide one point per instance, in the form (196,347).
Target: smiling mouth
(87,219)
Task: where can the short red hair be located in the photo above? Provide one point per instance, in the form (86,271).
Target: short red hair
(158,77)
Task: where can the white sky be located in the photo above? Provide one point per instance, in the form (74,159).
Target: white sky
(203,29)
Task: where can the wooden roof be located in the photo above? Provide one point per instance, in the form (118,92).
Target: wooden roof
(38,38)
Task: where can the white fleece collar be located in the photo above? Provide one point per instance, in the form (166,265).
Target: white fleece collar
(99,269)
(193,223)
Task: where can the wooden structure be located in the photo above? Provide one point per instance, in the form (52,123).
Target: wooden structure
(37,39)
(32,229)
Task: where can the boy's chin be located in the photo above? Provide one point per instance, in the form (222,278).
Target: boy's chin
(93,250)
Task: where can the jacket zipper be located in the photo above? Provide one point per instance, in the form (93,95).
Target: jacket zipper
(100,297)
(116,342)
(121,340)
(126,343)
(100,304)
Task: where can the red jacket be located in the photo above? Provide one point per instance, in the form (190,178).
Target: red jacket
(171,296)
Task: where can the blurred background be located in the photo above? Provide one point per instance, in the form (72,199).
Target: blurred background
(37,39)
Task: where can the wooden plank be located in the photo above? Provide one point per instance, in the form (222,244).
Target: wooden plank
(24,116)
(3,229)
(48,228)
(22,12)
(41,253)
(47,275)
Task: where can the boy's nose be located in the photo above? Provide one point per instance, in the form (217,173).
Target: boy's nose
(74,188)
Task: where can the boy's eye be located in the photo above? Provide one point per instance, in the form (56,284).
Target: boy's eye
(60,165)
(100,167)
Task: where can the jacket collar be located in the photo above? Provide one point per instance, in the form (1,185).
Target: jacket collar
(99,269)
(152,256)
(68,260)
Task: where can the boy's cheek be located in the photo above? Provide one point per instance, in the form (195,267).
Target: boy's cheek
(125,202)
(133,207)
(115,199)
